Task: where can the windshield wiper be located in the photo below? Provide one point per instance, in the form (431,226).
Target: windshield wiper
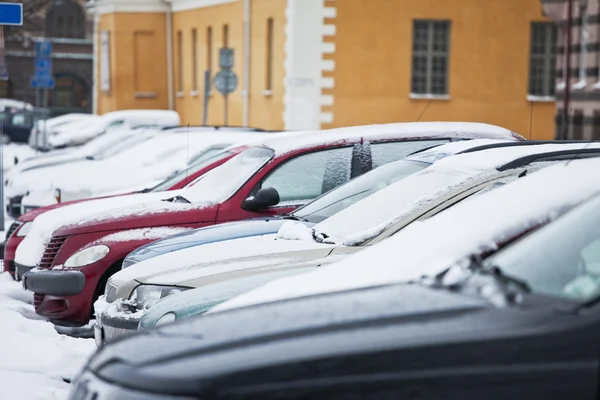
(476,265)
(293,217)
(179,199)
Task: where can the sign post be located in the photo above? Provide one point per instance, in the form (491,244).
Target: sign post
(42,79)
(10,14)
(226,80)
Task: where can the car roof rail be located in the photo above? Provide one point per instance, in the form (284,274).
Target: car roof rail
(522,143)
(561,155)
(217,127)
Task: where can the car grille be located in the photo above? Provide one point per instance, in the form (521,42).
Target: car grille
(11,267)
(13,228)
(37,300)
(51,251)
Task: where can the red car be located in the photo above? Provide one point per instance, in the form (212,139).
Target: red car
(20,227)
(272,178)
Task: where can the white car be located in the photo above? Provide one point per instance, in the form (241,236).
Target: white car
(437,251)
(370,221)
(79,133)
(137,167)
(41,129)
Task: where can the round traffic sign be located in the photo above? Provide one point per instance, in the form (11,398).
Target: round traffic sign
(226,81)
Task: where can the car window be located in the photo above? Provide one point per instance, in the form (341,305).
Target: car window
(357,189)
(386,152)
(114,124)
(307,176)
(560,259)
(21,120)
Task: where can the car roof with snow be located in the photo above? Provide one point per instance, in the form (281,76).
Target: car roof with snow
(429,246)
(410,130)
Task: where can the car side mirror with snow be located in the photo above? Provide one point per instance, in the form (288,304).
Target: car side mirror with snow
(264,198)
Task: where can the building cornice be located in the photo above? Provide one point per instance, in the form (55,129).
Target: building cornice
(101,7)
(184,5)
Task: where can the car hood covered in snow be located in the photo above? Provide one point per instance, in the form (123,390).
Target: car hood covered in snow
(209,234)
(189,267)
(32,248)
(428,247)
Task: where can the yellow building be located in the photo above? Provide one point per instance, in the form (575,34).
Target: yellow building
(310,64)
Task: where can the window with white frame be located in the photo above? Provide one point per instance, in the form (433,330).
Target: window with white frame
(542,65)
(431,48)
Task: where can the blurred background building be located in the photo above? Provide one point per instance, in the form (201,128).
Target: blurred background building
(310,64)
(67,25)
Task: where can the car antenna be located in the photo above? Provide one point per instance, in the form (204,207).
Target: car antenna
(187,154)
(530,118)
(424,109)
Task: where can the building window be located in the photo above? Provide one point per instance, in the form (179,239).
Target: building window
(209,41)
(431,47)
(194,60)
(180,62)
(225,35)
(542,64)
(65,19)
(269,53)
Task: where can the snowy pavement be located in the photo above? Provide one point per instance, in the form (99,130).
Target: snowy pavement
(34,358)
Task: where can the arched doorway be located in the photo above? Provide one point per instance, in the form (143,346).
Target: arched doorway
(70,92)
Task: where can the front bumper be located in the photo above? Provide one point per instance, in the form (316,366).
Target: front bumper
(53,283)
(21,270)
(110,328)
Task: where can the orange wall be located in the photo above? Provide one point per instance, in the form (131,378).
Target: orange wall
(137,61)
(489,64)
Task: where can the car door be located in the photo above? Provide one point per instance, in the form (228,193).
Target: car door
(298,179)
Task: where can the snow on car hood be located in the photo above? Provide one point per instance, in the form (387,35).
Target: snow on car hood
(183,267)
(366,218)
(32,247)
(428,247)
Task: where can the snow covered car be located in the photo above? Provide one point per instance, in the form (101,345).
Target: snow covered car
(122,317)
(98,149)
(75,255)
(17,125)
(21,226)
(519,324)
(314,212)
(135,167)
(435,188)
(39,131)
(79,133)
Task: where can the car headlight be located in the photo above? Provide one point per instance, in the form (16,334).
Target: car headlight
(145,296)
(166,319)
(87,256)
(25,228)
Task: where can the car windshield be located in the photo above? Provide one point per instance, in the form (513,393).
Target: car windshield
(221,183)
(117,144)
(365,219)
(209,157)
(357,189)
(562,259)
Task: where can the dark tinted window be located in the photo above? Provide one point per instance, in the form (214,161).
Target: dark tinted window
(386,152)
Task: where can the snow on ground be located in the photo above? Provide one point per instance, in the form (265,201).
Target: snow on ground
(34,358)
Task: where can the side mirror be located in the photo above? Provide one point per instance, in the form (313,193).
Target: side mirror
(264,198)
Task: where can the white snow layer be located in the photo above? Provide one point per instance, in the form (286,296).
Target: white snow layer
(427,247)
(34,358)
(383,208)
(141,234)
(32,247)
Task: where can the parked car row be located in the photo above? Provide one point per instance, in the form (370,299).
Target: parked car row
(384,261)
